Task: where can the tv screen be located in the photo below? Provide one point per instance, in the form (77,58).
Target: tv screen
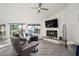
(51,23)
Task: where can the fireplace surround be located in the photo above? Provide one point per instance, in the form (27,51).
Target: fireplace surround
(51,33)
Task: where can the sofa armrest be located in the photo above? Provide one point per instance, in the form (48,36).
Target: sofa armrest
(28,48)
(31,45)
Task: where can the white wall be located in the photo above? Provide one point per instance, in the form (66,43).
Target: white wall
(7,27)
(72,21)
(17,13)
(60,17)
(6,19)
(70,17)
(21,13)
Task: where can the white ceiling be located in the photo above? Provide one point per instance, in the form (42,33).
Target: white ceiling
(24,10)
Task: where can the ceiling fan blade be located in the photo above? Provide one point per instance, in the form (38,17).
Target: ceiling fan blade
(38,11)
(34,7)
(44,8)
(40,4)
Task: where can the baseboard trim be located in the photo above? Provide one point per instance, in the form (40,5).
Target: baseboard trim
(53,41)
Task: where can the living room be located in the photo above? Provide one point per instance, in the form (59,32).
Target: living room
(23,14)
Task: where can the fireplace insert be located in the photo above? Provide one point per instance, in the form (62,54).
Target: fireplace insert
(51,33)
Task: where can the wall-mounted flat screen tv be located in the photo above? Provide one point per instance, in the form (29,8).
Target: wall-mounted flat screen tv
(53,23)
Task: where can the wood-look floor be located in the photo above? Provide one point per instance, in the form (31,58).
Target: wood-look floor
(45,49)
(51,49)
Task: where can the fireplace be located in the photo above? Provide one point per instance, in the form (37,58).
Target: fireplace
(51,33)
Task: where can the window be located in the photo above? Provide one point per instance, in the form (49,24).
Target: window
(34,28)
(2,29)
(14,27)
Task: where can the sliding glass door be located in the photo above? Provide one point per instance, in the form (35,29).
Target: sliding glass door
(15,26)
(34,29)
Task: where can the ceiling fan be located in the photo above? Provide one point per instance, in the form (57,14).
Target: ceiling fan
(39,8)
